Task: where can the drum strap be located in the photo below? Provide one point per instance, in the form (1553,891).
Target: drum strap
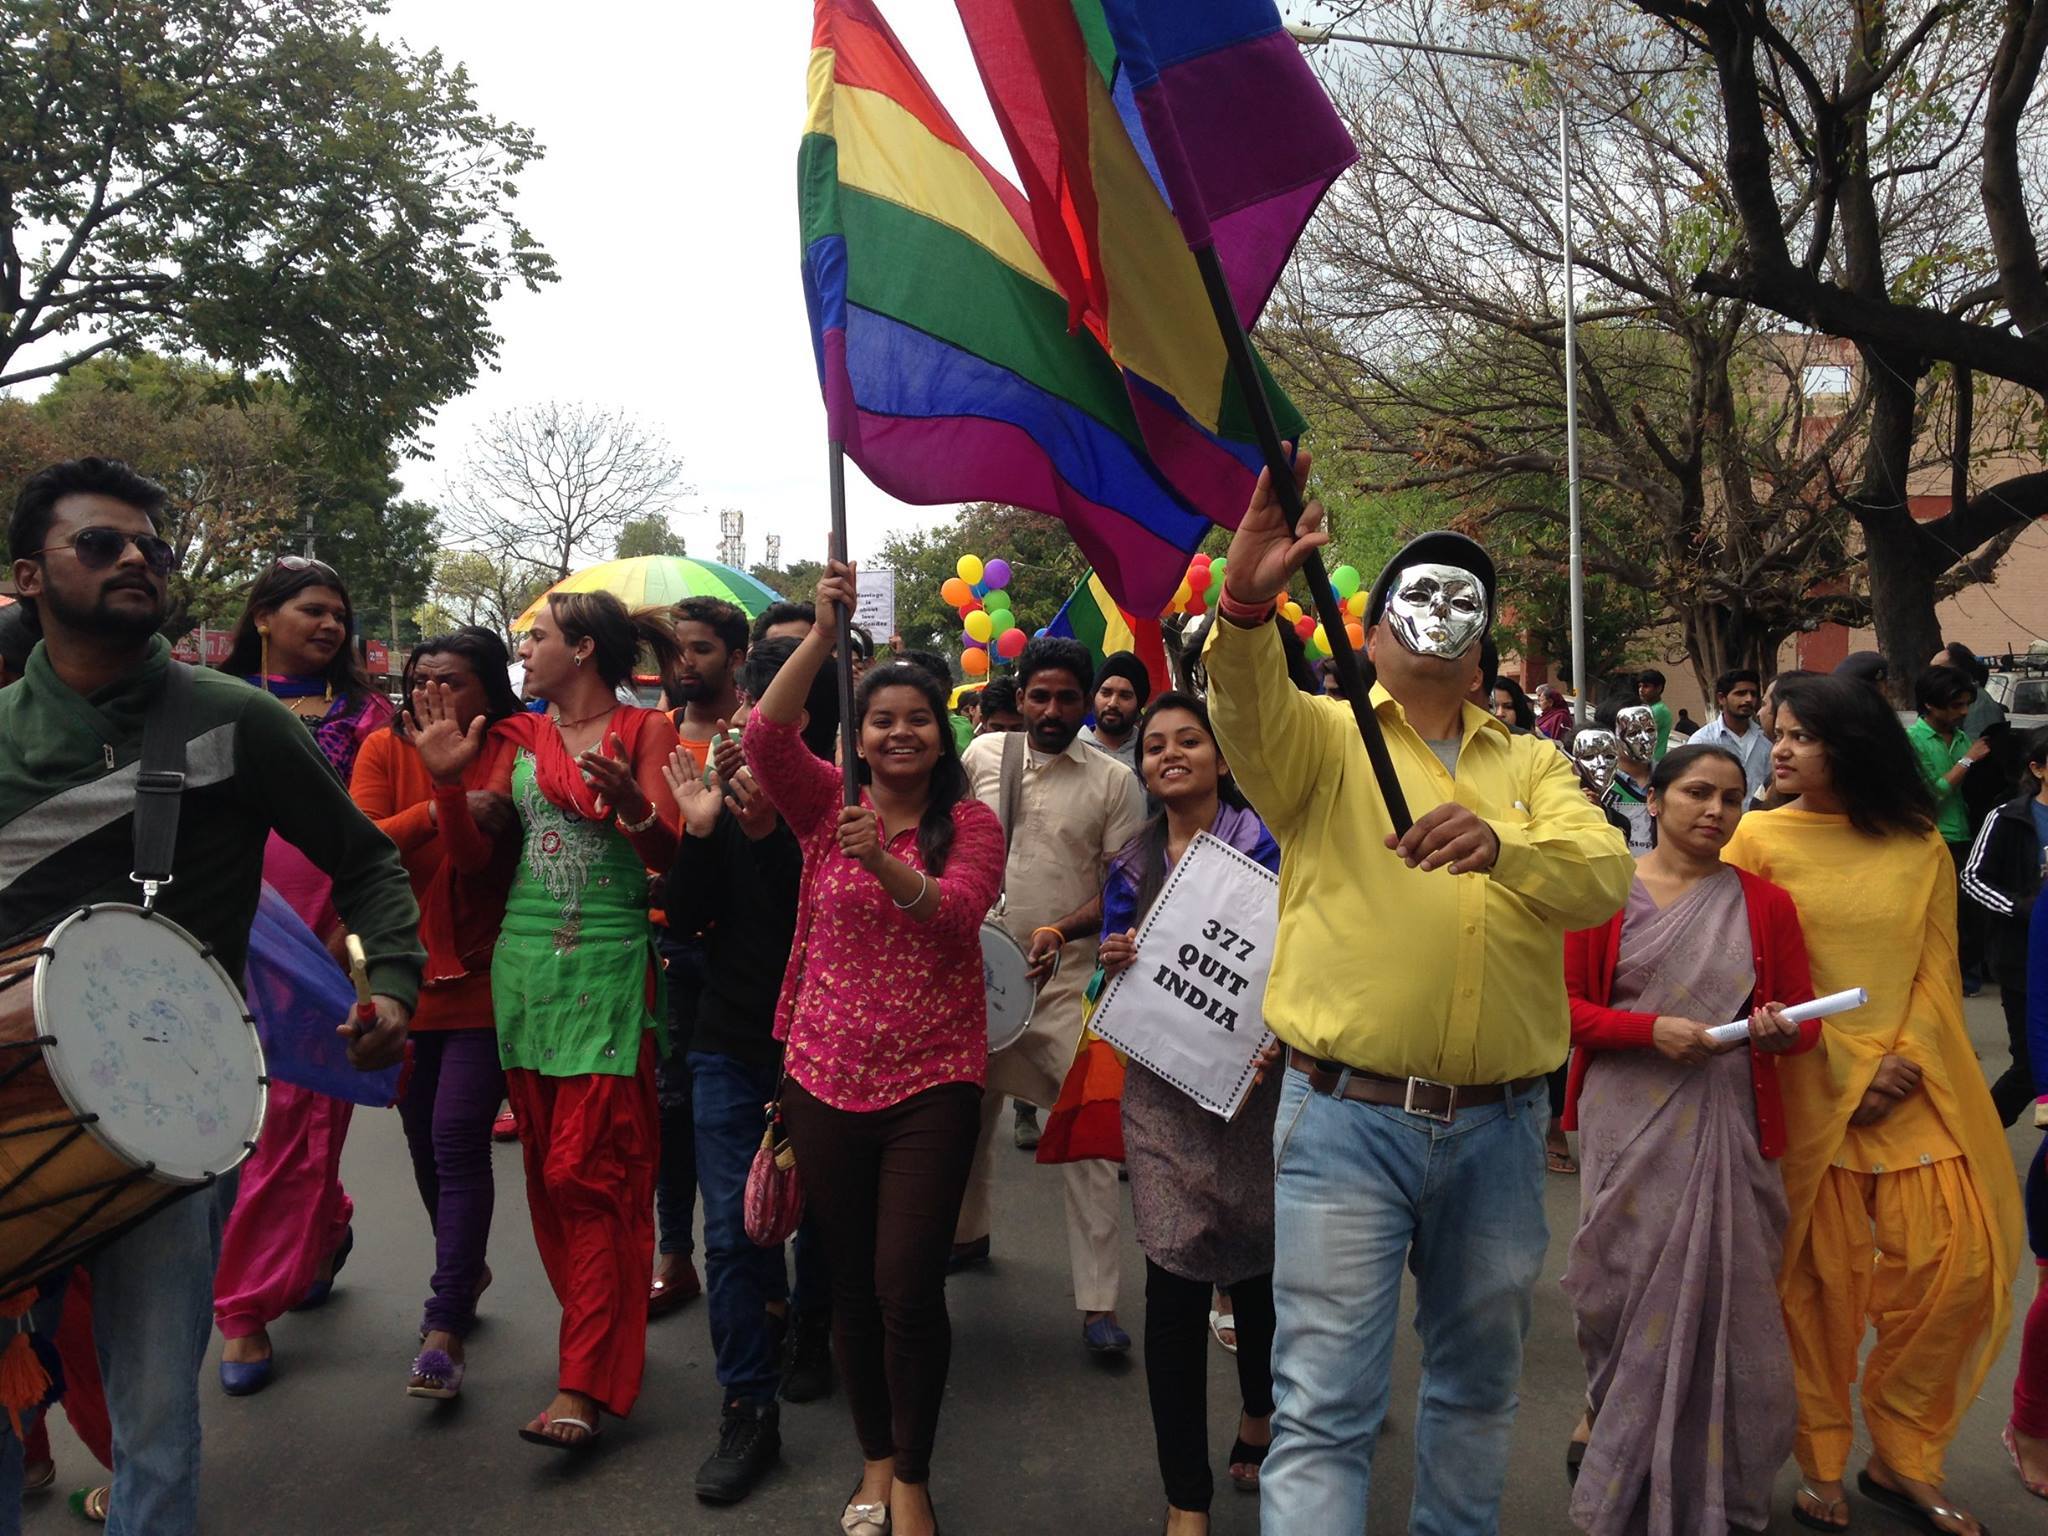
(1010,793)
(160,781)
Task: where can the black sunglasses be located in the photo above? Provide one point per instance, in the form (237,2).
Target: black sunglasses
(304,563)
(99,548)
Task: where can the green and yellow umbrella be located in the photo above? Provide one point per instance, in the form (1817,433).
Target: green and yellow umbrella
(654,581)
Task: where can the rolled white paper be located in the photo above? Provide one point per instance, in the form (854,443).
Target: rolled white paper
(1798,1013)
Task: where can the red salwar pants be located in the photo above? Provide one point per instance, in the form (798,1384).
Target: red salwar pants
(591,1144)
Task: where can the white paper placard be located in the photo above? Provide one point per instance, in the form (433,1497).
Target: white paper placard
(875,608)
(1191,1006)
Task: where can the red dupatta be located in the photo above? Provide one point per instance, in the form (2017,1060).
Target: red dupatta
(555,771)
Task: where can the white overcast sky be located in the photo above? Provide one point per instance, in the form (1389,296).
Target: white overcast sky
(668,200)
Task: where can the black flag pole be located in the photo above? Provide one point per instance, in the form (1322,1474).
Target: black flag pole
(842,653)
(1252,386)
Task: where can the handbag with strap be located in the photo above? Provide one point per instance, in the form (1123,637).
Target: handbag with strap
(773,1206)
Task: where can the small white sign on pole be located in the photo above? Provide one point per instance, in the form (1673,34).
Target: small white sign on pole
(1191,1007)
(875,610)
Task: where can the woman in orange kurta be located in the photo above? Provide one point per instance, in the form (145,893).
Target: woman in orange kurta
(1905,1217)
(456,1084)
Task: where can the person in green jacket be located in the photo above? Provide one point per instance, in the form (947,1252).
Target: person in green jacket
(88,559)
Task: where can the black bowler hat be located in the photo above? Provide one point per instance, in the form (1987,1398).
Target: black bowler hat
(1441,547)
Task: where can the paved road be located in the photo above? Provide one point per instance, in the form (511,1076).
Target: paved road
(1037,1437)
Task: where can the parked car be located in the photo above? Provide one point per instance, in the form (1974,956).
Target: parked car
(2020,683)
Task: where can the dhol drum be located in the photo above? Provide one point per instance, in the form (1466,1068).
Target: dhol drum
(129,1073)
(1006,976)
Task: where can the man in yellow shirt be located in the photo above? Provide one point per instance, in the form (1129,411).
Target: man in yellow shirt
(1418,988)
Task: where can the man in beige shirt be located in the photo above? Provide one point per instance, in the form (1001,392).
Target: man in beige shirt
(1076,808)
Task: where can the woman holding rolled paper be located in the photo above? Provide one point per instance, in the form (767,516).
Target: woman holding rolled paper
(1903,1214)
(1682,1209)
(1201,1186)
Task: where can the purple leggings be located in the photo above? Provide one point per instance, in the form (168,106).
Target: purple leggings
(447,1111)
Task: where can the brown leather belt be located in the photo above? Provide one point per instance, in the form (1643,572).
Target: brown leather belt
(1417,1095)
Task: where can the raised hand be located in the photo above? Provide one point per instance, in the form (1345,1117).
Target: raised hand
(1265,553)
(697,800)
(750,805)
(837,587)
(726,755)
(445,748)
(607,772)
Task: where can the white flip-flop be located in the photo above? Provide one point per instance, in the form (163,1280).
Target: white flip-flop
(1218,1321)
(554,1442)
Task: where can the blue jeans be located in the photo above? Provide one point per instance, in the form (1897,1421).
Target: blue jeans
(1360,1191)
(152,1318)
(741,1278)
(675,1176)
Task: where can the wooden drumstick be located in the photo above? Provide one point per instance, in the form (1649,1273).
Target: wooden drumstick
(359,973)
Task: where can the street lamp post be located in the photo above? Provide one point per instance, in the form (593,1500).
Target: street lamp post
(1310,36)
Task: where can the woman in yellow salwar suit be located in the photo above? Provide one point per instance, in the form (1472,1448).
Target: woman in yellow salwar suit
(1905,1215)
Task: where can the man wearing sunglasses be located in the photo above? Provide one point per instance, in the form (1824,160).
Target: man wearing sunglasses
(90,563)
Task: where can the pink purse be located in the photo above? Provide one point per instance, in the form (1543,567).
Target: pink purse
(774,1202)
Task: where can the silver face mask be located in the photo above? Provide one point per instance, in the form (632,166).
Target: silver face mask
(1437,610)
(1596,752)
(1637,728)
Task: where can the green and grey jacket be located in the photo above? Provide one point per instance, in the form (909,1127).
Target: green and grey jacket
(68,766)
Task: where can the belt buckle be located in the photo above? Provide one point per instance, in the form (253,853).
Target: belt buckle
(1450,1100)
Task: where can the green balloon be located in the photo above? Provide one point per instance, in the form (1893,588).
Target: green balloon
(1003,620)
(997,600)
(1345,579)
(1217,567)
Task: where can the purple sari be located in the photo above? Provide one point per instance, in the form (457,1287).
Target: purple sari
(1673,1273)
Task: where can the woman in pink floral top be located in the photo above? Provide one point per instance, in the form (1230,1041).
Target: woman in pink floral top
(885,1022)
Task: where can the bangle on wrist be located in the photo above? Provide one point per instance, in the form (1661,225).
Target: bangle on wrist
(635,828)
(1240,612)
(924,885)
(1048,928)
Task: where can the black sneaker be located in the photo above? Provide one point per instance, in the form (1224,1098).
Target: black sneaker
(808,1375)
(749,1439)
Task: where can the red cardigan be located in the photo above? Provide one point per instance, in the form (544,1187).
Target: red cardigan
(1781,977)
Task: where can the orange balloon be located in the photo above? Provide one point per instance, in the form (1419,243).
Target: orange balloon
(955,592)
(974,663)
(1356,634)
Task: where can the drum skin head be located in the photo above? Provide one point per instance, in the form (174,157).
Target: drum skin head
(150,1036)
(1005,976)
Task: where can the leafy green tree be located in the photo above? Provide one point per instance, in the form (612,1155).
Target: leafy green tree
(471,587)
(1044,565)
(249,479)
(795,581)
(649,534)
(265,184)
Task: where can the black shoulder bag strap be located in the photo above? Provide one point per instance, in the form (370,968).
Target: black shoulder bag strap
(160,781)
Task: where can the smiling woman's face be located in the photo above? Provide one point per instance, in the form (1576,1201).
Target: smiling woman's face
(1179,759)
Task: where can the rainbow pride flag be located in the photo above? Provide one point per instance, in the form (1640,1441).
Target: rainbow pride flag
(1128,118)
(1091,616)
(949,369)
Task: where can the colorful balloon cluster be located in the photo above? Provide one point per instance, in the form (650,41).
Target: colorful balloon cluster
(1202,582)
(977,590)
(1347,583)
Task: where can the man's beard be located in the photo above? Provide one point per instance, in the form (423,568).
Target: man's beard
(1113,721)
(102,619)
(1053,735)
(695,689)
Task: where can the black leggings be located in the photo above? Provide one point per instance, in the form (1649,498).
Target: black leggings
(1177,1372)
(884,1187)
